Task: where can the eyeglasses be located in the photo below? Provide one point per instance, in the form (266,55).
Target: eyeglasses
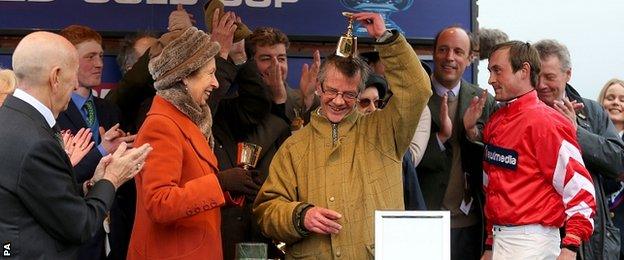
(365,102)
(332,93)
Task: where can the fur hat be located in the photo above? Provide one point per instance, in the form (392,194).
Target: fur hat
(182,53)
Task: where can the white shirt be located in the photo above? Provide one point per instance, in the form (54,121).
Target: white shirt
(40,107)
(441,90)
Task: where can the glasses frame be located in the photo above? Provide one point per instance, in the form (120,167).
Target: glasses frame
(343,95)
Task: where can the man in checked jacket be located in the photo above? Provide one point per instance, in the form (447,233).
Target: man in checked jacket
(327,180)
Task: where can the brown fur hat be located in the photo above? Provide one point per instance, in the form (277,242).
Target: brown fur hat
(182,53)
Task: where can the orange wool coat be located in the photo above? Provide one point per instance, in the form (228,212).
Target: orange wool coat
(178,194)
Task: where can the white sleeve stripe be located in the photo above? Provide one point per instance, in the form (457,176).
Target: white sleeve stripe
(583,209)
(577,183)
(485,179)
(566,151)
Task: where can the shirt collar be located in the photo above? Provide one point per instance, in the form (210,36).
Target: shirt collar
(40,107)
(441,90)
(79,100)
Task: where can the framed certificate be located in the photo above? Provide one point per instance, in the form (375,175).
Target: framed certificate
(412,235)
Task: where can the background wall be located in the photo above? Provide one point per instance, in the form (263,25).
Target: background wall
(593,31)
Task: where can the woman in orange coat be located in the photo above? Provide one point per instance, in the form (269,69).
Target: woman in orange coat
(178,193)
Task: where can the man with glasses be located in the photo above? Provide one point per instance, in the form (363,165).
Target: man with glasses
(327,180)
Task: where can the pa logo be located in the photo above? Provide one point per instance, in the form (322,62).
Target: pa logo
(6,249)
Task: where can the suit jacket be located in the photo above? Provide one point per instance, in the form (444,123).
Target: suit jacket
(178,194)
(435,167)
(44,215)
(108,116)
(603,154)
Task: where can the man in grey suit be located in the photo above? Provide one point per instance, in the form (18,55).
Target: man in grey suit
(450,171)
(44,213)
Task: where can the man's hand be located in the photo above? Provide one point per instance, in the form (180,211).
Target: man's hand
(566,254)
(179,19)
(373,22)
(125,164)
(322,221)
(111,139)
(446,125)
(275,80)
(568,109)
(77,146)
(487,255)
(308,81)
(472,114)
(223,31)
(238,180)
(237,52)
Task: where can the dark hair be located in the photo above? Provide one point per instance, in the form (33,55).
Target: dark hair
(77,34)
(370,57)
(471,39)
(127,55)
(265,36)
(350,67)
(519,53)
(488,38)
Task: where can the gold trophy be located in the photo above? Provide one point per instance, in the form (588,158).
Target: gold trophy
(248,155)
(347,45)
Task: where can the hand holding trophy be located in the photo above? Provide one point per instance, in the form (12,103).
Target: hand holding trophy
(347,45)
(248,155)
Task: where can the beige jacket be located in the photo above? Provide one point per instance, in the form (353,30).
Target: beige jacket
(355,176)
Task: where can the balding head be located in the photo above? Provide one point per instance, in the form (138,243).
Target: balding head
(38,54)
(46,67)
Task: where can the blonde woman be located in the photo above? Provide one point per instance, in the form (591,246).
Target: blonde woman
(7,83)
(612,99)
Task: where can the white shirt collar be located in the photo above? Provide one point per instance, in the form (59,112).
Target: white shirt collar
(441,90)
(43,110)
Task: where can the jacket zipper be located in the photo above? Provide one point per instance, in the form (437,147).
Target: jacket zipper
(334,133)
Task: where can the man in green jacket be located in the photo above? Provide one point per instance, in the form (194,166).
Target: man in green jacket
(327,180)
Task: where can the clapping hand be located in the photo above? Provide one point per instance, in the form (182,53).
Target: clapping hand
(472,114)
(113,137)
(446,125)
(223,31)
(124,163)
(77,146)
(308,81)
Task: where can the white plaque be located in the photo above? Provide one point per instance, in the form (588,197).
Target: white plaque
(412,235)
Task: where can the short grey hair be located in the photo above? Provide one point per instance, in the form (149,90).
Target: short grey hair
(552,48)
(350,67)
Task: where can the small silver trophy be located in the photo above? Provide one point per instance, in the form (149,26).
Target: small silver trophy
(248,155)
(347,45)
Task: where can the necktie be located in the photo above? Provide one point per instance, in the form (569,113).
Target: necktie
(89,107)
(450,95)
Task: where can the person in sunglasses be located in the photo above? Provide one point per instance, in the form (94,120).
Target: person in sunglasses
(373,96)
